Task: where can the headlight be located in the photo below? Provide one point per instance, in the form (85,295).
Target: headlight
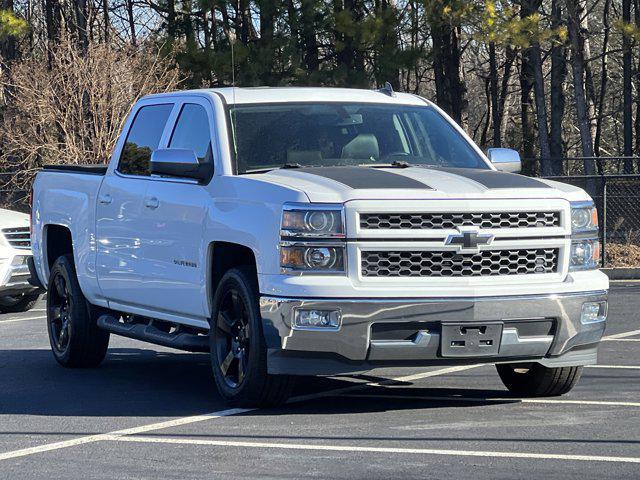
(585,247)
(584,254)
(584,217)
(312,258)
(322,221)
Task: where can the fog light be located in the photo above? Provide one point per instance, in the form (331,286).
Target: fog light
(317,319)
(593,312)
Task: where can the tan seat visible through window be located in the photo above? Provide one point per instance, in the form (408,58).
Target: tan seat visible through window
(364,146)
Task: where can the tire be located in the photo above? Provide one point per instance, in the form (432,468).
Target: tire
(18,303)
(76,340)
(238,349)
(536,380)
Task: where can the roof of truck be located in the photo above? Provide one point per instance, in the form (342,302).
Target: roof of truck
(252,95)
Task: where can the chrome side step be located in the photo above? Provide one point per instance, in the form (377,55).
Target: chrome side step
(189,342)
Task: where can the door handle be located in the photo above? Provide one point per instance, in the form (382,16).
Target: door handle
(152,203)
(105,199)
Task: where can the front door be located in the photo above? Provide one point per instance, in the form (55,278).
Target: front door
(119,211)
(175,214)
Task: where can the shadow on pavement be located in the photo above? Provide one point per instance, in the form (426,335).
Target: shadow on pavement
(135,382)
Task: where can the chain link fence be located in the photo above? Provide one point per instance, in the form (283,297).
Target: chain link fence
(615,188)
(614,185)
(11,197)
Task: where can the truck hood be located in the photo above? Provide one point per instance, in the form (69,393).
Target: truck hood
(342,184)
(11,219)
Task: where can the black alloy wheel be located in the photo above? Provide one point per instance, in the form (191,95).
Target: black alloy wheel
(233,339)
(238,348)
(59,309)
(76,341)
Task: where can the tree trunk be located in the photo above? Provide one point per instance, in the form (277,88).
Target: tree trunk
(172,26)
(636,14)
(80,10)
(627,115)
(534,61)
(132,23)
(350,58)
(105,19)
(386,64)
(268,10)
(510,57)
(527,75)
(446,63)
(493,88)
(575,10)
(558,77)
(603,78)
(541,111)
(308,12)
(53,20)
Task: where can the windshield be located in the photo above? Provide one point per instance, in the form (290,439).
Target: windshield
(334,134)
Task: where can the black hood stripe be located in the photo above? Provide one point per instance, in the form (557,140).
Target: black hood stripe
(492,179)
(364,177)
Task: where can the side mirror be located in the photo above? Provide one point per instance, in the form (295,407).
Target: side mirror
(505,159)
(180,163)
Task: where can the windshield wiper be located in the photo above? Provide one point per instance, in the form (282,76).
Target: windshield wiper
(394,164)
(285,167)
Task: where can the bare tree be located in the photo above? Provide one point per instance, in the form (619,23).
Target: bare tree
(72,109)
(557,101)
(575,11)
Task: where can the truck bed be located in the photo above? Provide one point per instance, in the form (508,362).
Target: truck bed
(84,169)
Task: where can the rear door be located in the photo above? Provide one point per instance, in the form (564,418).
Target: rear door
(119,210)
(175,214)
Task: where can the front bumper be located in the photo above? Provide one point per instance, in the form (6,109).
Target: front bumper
(15,275)
(381,332)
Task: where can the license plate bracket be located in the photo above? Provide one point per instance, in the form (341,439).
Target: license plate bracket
(470,339)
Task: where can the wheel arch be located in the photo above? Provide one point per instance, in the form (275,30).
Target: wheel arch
(57,241)
(222,256)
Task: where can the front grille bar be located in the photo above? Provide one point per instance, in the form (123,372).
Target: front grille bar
(454,264)
(441,221)
(19,237)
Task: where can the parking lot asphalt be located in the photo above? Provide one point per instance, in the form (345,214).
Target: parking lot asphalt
(153,413)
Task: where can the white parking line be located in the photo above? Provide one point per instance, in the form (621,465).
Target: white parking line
(356,448)
(211,416)
(444,398)
(15,320)
(621,339)
(632,333)
(621,367)
(129,431)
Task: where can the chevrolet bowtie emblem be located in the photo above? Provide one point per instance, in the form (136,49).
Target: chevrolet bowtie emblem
(469,240)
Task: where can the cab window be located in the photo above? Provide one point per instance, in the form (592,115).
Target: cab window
(192,132)
(143,138)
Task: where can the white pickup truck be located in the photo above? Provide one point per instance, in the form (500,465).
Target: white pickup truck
(316,231)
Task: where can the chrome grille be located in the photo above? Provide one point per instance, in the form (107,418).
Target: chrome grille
(440,221)
(454,264)
(19,237)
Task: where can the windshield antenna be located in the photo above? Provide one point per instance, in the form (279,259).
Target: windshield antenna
(387,89)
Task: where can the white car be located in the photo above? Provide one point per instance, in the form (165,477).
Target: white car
(16,293)
(318,231)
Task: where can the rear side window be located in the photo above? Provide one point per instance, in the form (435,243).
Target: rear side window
(192,132)
(143,138)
